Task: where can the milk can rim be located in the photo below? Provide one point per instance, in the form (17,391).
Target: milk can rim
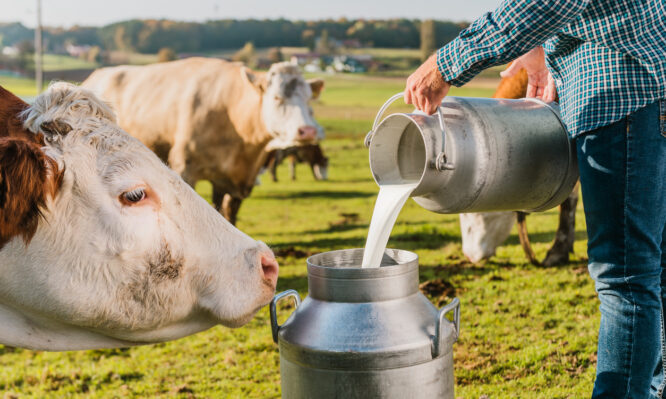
(405,265)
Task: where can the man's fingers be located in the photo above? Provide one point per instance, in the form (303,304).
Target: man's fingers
(531,90)
(539,92)
(511,70)
(433,108)
(426,106)
(550,93)
(408,96)
(418,101)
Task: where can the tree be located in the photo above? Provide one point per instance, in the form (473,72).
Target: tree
(324,45)
(26,52)
(94,54)
(308,39)
(275,54)
(246,54)
(428,39)
(166,54)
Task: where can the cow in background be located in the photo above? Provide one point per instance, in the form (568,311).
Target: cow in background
(101,245)
(211,119)
(483,232)
(312,154)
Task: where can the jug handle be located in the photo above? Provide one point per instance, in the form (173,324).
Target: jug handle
(388,102)
(275,327)
(455,306)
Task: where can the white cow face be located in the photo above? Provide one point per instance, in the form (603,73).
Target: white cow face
(284,107)
(483,232)
(126,252)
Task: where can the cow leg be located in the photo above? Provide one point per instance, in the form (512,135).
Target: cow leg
(273,164)
(230,207)
(566,232)
(292,167)
(218,196)
(521,218)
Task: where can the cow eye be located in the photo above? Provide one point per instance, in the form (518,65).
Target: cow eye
(133,196)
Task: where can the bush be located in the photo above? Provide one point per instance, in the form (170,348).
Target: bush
(166,54)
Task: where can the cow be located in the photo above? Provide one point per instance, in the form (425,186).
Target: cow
(311,154)
(211,119)
(483,232)
(101,244)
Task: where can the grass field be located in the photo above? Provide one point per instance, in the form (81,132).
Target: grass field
(527,332)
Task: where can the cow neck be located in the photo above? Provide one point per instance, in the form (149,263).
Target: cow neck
(245,114)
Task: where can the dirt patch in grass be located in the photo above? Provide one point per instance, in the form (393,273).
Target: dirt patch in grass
(291,252)
(438,289)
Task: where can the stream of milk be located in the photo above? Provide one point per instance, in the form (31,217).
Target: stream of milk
(389,202)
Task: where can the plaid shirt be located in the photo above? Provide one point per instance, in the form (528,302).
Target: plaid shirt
(608,57)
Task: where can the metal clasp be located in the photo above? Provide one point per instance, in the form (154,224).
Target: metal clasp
(275,327)
(440,324)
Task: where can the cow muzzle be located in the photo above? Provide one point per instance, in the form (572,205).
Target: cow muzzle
(307,133)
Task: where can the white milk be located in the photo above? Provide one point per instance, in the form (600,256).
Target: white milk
(389,202)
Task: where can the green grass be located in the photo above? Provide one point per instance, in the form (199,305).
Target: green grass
(527,332)
(55,62)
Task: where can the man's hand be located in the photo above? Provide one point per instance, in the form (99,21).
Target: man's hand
(426,88)
(540,83)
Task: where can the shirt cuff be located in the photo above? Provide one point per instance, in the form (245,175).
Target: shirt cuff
(449,66)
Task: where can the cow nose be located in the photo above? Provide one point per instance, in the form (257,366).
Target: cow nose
(306,133)
(269,268)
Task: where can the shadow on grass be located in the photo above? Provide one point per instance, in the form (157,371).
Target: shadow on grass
(298,283)
(409,241)
(324,244)
(327,194)
(422,240)
(544,237)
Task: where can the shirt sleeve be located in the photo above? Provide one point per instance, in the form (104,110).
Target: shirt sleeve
(498,37)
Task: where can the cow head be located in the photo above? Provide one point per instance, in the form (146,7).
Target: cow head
(115,249)
(285,111)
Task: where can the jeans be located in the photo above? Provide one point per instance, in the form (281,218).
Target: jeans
(623,179)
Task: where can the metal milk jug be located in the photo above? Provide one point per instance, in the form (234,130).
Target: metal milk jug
(477,155)
(365,333)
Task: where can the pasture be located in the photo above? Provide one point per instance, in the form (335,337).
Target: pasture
(526,331)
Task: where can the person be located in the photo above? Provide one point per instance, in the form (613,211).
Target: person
(607,61)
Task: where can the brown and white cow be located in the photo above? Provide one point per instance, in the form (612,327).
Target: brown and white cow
(312,154)
(483,232)
(101,245)
(211,119)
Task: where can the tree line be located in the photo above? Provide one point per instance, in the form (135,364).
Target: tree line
(149,36)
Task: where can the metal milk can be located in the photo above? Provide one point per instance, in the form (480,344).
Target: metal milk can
(477,155)
(365,333)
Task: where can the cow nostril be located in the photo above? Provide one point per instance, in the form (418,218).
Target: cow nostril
(269,268)
(307,133)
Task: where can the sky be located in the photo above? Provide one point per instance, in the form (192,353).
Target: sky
(97,12)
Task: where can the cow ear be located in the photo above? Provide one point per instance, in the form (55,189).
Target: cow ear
(27,178)
(55,128)
(257,80)
(317,85)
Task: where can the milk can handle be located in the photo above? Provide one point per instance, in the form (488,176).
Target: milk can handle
(275,327)
(439,325)
(388,102)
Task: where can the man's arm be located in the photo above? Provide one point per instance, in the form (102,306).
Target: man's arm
(513,29)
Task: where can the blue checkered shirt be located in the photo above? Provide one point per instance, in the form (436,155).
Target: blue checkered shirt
(608,57)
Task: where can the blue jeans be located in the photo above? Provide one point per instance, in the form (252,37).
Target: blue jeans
(623,179)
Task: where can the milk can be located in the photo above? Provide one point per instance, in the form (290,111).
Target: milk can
(477,155)
(365,333)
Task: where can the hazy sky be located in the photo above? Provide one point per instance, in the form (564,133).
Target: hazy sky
(98,12)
